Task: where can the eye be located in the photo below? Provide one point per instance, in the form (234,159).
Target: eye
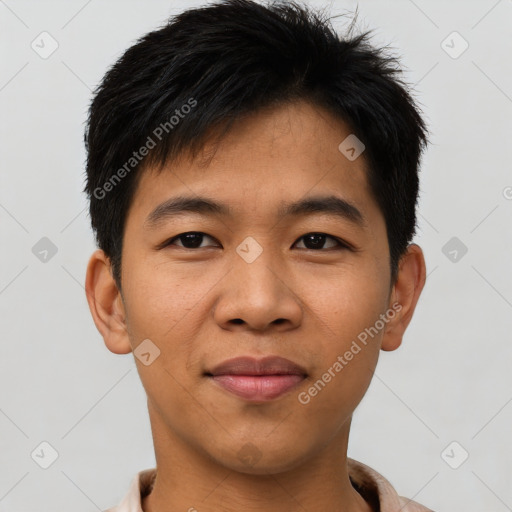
(312,241)
(315,241)
(190,240)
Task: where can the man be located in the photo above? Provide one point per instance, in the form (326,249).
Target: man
(253,179)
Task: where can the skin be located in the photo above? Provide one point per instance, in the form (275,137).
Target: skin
(205,305)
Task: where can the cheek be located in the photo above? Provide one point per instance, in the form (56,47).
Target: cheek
(164,307)
(162,302)
(344,368)
(346,301)
(346,311)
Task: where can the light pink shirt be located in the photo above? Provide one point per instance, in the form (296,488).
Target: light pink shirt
(371,483)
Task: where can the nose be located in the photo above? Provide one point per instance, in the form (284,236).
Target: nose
(258,296)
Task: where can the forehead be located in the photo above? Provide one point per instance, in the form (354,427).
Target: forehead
(267,159)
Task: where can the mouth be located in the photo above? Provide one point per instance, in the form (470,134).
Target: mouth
(257,380)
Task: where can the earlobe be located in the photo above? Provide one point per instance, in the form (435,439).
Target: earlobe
(406,292)
(105,304)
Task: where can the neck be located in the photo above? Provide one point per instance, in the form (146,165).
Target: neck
(194,482)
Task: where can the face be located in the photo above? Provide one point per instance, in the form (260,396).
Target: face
(255,278)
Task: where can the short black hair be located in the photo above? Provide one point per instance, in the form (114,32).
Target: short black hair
(214,64)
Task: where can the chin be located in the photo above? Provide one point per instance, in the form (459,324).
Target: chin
(261,458)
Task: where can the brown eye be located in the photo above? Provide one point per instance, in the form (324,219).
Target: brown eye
(190,240)
(315,241)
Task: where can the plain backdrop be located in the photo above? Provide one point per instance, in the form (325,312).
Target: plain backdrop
(436,420)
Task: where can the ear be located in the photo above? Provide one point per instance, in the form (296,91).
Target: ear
(106,304)
(406,292)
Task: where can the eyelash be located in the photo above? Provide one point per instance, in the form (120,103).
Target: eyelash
(341,244)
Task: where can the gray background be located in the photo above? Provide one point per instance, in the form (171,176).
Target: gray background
(450,380)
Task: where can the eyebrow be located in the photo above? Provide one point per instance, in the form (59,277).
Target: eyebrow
(330,205)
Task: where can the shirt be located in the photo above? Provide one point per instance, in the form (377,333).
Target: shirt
(374,488)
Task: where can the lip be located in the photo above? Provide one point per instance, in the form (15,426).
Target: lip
(257,380)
